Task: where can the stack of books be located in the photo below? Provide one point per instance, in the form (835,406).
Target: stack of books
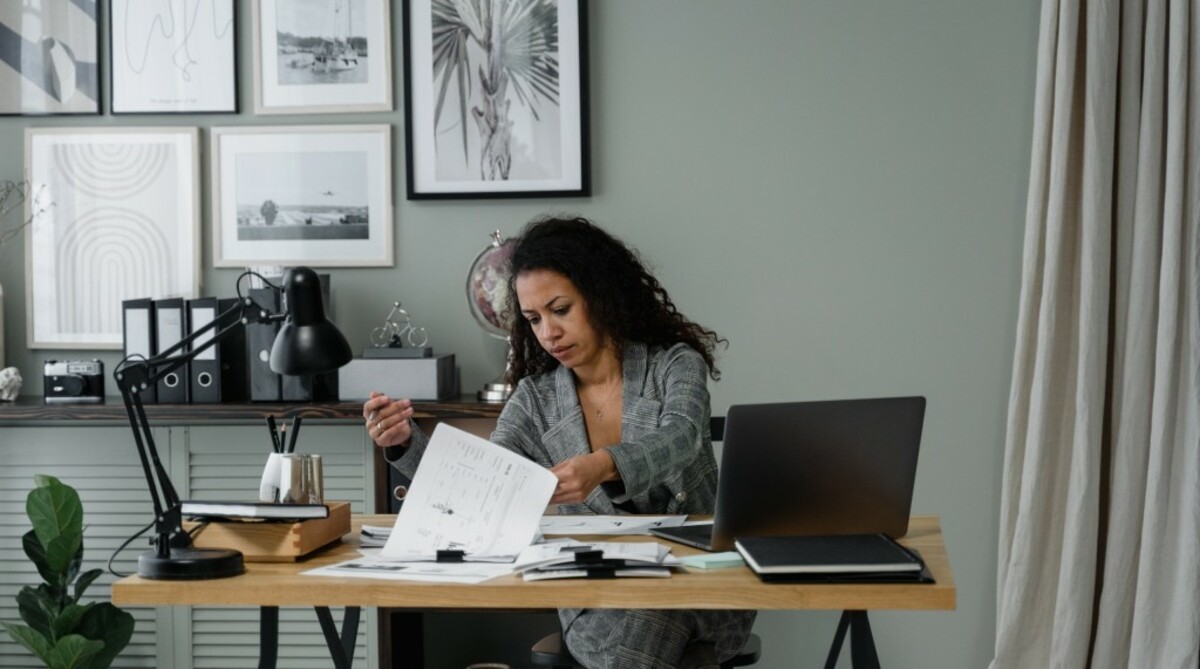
(848,558)
(607,559)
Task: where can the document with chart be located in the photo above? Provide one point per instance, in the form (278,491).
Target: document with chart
(469,496)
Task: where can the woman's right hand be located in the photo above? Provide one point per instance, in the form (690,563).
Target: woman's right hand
(387,420)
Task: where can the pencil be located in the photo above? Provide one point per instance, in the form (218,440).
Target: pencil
(274,434)
(295,432)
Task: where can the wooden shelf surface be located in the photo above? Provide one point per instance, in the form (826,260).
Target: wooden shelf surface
(27,410)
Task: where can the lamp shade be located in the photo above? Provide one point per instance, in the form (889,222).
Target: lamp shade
(307,343)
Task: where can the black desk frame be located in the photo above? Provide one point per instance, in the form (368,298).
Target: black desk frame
(341,644)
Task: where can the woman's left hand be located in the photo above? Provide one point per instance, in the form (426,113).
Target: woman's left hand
(578,476)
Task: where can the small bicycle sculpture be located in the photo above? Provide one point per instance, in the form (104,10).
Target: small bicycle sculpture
(397,329)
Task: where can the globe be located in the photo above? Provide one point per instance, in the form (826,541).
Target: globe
(487,294)
(487,286)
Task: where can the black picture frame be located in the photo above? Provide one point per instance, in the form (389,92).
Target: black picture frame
(445,155)
(62,60)
(164,62)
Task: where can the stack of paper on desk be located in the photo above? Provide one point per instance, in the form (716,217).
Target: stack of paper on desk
(605,559)
(470,502)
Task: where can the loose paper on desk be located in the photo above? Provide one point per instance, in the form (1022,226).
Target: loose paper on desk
(607,524)
(469,495)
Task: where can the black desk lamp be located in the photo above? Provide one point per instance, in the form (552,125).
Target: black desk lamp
(306,344)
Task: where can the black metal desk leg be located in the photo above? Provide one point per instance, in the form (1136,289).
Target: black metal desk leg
(268,636)
(341,648)
(862,643)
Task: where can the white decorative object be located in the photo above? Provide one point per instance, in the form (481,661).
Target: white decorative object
(10,383)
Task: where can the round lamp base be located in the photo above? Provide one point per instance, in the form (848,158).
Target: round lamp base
(191,564)
(495,392)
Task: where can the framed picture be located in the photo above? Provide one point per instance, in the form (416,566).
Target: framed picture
(173,56)
(48,58)
(322,56)
(120,220)
(520,133)
(302,195)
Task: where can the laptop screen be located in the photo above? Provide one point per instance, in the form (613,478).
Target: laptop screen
(829,467)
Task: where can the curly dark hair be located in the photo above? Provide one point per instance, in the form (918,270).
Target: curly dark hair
(625,302)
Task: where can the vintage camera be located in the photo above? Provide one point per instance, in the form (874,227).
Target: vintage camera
(73,382)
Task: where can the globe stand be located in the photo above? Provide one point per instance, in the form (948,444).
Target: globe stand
(498,389)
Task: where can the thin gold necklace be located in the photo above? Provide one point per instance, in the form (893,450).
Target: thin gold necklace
(600,409)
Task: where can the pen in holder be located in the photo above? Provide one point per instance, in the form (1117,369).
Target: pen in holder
(268,488)
(301,480)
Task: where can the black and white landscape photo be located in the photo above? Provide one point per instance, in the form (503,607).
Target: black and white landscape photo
(321,42)
(305,195)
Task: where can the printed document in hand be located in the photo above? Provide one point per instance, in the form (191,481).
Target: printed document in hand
(469,495)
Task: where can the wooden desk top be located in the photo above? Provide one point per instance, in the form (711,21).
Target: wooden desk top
(280,584)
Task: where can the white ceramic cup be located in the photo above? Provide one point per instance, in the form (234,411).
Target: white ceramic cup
(268,487)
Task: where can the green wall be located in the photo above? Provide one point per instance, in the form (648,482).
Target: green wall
(837,187)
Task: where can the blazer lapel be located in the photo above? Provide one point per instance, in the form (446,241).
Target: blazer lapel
(639,414)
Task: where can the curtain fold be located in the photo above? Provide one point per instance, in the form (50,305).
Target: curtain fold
(1099,558)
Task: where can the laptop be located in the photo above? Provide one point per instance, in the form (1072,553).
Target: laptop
(811,468)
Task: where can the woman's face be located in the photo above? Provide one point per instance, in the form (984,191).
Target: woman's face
(558,316)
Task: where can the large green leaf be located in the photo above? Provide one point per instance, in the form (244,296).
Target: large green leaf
(37,555)
(76,563)
(73,652)
(31,639)
(60,554)
(55,510)
(68,620)
(109,624)
(85,579)
(38,608)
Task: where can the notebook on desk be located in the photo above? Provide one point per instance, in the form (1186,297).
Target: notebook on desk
(805,468)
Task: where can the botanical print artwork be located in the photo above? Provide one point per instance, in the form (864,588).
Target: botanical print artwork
(496,77)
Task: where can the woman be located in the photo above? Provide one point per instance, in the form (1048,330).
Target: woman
(611,395)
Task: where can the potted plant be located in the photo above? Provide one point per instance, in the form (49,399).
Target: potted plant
(58,629)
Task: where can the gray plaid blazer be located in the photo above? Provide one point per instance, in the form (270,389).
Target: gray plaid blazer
(666,463)
(665,457)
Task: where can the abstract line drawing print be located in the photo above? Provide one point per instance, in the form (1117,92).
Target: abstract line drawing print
(48,58)
(173,56)
(123,226)
(176,23)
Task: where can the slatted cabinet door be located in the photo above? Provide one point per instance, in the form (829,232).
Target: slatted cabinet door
(102,464)
(225,463)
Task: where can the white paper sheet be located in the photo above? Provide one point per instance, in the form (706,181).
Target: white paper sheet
(432,572)
(607,524)
(471,495)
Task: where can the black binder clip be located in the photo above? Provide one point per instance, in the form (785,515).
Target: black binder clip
(589,557)
(450,556)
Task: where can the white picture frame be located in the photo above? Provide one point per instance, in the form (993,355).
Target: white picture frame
(322,56)
(319,196)
(173,56)
(118,218)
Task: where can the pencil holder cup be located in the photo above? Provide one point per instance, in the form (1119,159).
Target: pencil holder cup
(268,487)
(301,479)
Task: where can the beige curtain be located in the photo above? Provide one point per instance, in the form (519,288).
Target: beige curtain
(1099,561)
